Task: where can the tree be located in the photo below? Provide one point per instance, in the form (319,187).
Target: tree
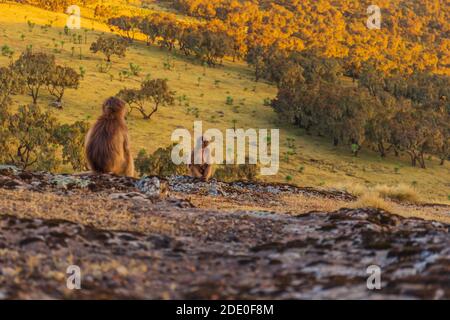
(109,46)
(208,46)
(152,92)
(379,125)
(10,83)
(61,79)
(212,46)
(416,131)
(149,28)
(255,58)
(168,31)
(35,69)
(126,26)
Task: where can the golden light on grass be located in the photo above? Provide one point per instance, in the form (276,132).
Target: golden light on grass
(400,193)
(373,200)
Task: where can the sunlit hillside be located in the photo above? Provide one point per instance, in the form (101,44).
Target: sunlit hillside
(222,97)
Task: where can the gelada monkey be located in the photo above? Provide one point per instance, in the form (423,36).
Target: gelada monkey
(203,170)
(107,143)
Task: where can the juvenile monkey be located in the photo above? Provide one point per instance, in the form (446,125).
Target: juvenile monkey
(203,170)
(107,143)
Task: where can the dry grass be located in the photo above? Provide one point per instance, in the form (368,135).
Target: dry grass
(289,204)
(373,200)
(99,211)
(400,193)
(355,189)
(94,210)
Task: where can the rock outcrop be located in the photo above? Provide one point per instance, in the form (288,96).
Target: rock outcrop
(167,248)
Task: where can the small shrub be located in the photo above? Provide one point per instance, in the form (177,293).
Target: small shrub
(82,72)
(104,67)
(7,51)
(135,69)
(71,138)
(159,163)
(235,172)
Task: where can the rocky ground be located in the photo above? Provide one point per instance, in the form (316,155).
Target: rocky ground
(179,238)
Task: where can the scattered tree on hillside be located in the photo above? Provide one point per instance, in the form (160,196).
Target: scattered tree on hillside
(150,29)
(151,95)
(126,26)
(36,70)
(109,46)
(413,129)
(255,58)
(208,46)
(62,78)
(169,32)
(10,83)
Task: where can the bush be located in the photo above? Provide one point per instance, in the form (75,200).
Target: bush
(7,51)
(235,172)
(158,164)
(71,137)
(30,139)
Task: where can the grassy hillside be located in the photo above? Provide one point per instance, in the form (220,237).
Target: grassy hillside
(317,162)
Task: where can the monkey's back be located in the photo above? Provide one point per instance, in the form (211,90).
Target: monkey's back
(104,145)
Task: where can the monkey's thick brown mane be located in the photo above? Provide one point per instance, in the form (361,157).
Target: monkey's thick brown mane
(101,148)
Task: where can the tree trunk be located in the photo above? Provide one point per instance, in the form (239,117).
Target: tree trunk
(35,95)
(335,141)
(396,151)
(381,149)
(421,161)
(413,159)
